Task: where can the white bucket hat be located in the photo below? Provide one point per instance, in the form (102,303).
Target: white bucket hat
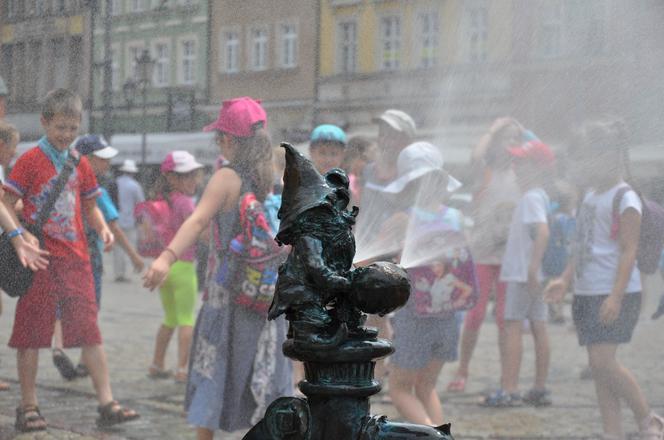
(399,121)
(415,161)
(129,166)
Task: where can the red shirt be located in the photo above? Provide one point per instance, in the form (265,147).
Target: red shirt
(32,178)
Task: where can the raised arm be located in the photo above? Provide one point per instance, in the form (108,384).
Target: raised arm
(221,194)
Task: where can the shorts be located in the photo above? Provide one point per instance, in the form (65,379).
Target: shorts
(419,340)
(520,304)
(66,286)
(589,329)
(178,295)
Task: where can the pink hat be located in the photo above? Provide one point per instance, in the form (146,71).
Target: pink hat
(238,117)
(535,151)
(180,162)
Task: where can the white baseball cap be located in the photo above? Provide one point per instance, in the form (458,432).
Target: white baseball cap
(399,121)
(180,161)
(415,161)
(129,166)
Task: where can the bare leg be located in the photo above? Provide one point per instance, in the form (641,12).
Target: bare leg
(298,374)
(468,343)
(57,335)
(385,332)
(163,338)
(409,406)
(204,434)
(95,359)
(184,344)
(618,379)
(27,361)
(609,402)
(513,350)
(542,353)
(425,390)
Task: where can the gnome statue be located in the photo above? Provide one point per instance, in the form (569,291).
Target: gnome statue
(313,285)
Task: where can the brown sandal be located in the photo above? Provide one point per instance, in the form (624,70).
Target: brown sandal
(29,419)
(113,414)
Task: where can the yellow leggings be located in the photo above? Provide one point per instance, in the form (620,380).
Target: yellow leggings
(178,295)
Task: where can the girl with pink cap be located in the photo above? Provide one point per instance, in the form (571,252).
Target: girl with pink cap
(236,367)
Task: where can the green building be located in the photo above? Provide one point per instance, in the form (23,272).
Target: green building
(175,34)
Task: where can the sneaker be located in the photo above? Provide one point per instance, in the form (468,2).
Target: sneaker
(538,398)
(501,399)
(64,365)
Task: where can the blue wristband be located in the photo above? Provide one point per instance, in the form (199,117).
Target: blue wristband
(15,233)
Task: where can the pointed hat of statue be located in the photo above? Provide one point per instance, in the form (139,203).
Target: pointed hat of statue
(304,188)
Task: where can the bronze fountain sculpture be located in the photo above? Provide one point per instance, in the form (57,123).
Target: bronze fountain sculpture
(326,301)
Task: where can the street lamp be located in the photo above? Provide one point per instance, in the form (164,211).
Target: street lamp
(144,68)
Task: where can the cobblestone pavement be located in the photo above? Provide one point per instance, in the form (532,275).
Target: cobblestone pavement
(131,315)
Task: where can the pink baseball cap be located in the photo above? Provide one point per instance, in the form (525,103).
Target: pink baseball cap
(238,117)
(180,162)
(535,151)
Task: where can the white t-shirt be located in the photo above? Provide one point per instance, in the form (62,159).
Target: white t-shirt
(597,253)
(130,194)
(532,208)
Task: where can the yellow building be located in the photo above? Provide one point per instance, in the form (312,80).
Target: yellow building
(421,56)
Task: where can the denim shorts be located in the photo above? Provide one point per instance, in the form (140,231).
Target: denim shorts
(589,328)
(419,340)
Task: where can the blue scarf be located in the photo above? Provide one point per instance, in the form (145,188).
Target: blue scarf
(59,158)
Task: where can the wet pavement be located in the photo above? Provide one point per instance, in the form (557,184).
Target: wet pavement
(131,315)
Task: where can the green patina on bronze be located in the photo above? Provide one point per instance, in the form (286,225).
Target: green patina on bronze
(326,301)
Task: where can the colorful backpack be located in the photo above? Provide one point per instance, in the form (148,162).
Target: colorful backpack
(651,239)
(251,263)
(152,227)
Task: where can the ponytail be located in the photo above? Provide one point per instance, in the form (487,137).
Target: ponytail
(252,160)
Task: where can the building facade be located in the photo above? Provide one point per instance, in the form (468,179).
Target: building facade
(267,50)
(175,34)
(43,45)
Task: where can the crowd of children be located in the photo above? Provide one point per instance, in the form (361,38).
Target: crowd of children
(531,243)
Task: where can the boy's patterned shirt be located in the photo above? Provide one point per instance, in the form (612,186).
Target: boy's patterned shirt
(32,179)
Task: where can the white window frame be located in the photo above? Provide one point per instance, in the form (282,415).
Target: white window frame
(346,65)
(130,64)
(391,43)
(255,52)
(225,47)
(428,43)
(476,20)
(193,59)
(160,60)
(288,46)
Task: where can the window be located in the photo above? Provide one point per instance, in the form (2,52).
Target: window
(60,6)
(162,65)
(140,5)
(347,46)
(115,69)
(288,58)
(188,48)
(390,32)
(40,7)
(259,49)
(116,6)
(231,51)
(550,32)
(478,31)
(429,26)
(133,53)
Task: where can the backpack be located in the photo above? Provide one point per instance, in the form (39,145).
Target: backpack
(152,227)
(250,265)
(561,231)
(651,238)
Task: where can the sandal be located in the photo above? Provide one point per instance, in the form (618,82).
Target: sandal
(652,428)
(64,364)
(154,372)
(458,385)
(501,399)
(113,414)
(181,375)
(538,398)
(29,419)
(4,386)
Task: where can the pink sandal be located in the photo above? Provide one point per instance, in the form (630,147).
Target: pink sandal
(458,385)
